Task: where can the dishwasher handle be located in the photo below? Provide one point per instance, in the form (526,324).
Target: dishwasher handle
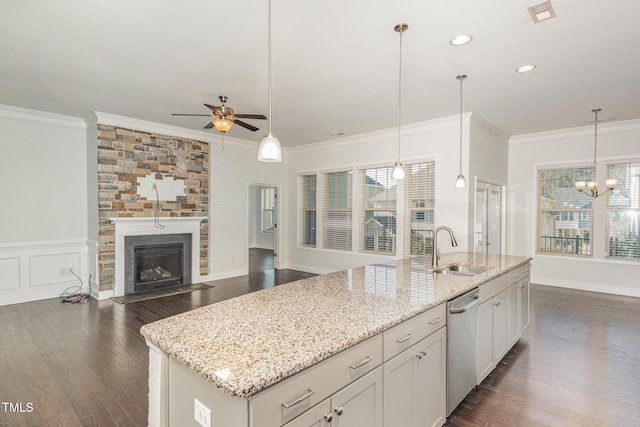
(458,310)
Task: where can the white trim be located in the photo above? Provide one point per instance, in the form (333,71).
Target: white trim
(163,129)
(102,295)
(553,135)
(224,275)
(414,128)
(146,226)
(586,286)
(41,116)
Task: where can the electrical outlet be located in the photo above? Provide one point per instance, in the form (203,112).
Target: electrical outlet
(201,413)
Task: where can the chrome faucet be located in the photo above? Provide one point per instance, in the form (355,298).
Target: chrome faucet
(436,251)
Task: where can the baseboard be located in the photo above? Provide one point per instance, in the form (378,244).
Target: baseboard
(224,275)
(307,268)
(587,286)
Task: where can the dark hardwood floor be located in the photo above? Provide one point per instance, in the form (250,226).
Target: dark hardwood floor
(86,364)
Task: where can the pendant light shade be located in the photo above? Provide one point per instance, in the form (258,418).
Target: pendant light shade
(461,182)
(270,150)
(397,172)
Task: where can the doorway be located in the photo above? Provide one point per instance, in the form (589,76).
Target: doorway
(488,218)
(263,228)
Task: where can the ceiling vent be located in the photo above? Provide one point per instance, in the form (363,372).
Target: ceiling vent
(541,11)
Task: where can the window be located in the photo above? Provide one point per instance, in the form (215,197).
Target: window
(268,209)
(564,215)
(307,215)
(623,211)
(419,204)
(378,226)
(336,208)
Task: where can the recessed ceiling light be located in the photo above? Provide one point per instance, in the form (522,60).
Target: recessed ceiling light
(541,11)
(461,39)
(526,68)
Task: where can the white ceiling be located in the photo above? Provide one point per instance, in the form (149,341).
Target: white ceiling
(335,62)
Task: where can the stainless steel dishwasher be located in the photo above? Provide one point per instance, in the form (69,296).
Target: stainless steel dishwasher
(462,347)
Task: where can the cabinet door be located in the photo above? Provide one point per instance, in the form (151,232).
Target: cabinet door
(431,375)
(524,303)
(500,325)
(485,340)
(514,314)
(400,386)
(360,403)
(318,416)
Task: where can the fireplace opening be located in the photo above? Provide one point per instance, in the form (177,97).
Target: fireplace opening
(157,261)
(157,266)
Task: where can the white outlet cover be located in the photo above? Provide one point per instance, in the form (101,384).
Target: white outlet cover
(201,413)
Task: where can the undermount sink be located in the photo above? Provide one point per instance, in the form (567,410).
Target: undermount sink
(462,270)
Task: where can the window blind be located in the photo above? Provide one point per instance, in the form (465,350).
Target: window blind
(337,210)
(378,216)
(419,208)
(564,215)
(623,211)
(307,214)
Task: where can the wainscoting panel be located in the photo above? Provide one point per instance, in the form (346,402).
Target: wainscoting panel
(39,270)
(9,273)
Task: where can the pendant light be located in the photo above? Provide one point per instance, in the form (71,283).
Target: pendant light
(397,172)
(270,150)
(592,186)
(461,182)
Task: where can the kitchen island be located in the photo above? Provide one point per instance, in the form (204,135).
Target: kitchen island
(240,349)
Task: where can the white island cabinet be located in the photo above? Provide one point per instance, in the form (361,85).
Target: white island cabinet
(280,358)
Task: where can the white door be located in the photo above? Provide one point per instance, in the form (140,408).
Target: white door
(488,218)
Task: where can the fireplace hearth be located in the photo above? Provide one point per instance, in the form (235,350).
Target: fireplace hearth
(156,261)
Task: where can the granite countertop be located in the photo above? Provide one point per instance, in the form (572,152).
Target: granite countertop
(245,344)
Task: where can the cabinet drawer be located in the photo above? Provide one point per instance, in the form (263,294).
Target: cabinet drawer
(286,400)
(519,273)
(493,287)
(409,332)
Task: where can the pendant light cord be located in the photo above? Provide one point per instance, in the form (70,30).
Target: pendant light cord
(400,88)
(462,78)
(595,144)
(270,78)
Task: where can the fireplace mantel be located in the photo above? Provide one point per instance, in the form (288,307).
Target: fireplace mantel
(146,226)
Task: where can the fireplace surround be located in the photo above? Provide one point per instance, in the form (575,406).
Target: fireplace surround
(145,230)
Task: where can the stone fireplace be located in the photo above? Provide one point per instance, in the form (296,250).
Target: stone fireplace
(150,185)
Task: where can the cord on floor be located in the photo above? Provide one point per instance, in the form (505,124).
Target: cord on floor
(74,294)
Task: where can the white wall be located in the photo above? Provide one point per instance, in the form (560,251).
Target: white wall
(233,171)
(433,140)
(616,141)
(43,220)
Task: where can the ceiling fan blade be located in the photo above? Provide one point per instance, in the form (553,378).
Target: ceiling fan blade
(251,116)
(211,107)
(209,125)
(246,125)
(199,115)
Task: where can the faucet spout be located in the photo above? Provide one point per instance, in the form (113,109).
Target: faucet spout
(436,251)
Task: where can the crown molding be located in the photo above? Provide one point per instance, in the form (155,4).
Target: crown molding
(413,128)
(41,116)
(554,135)
(163,129)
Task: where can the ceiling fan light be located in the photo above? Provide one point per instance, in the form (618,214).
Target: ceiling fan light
(270,150)
(222,125)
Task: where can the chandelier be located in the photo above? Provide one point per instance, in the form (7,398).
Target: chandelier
(592,186)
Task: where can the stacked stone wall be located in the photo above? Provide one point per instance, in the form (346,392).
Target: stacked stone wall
(124,156)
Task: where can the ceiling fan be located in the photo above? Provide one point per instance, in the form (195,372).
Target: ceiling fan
(223,117)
